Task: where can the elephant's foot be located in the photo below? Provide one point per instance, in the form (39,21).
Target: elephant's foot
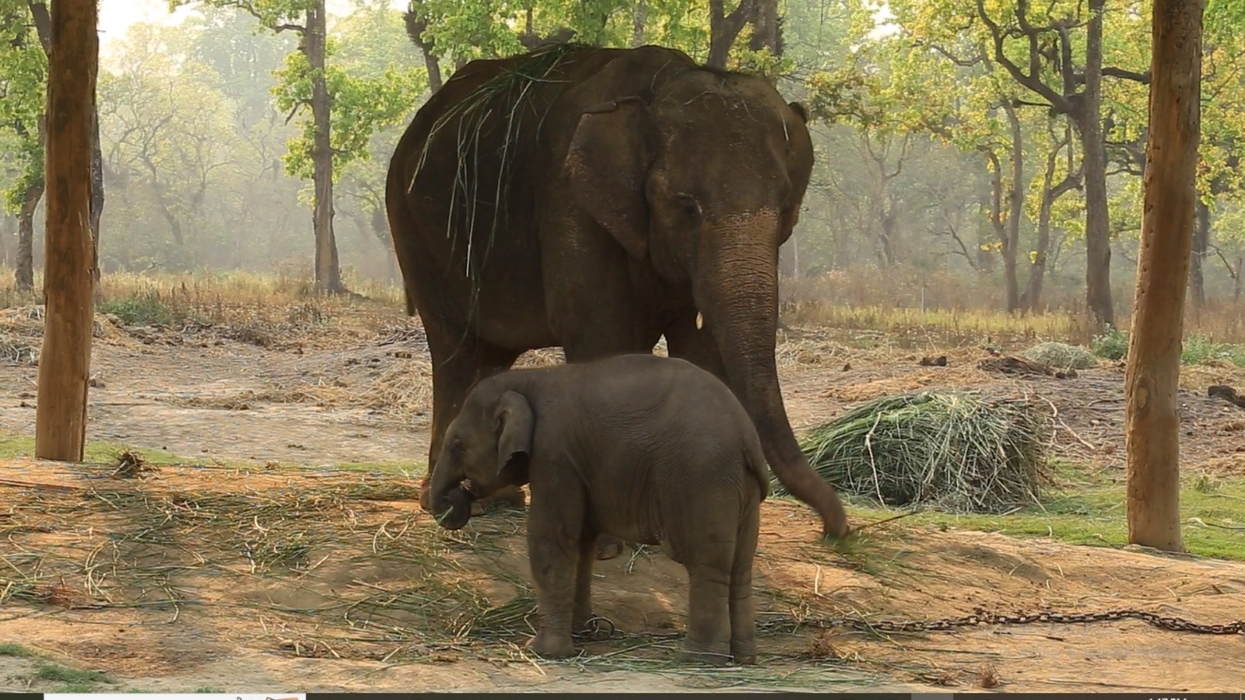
(714,654)
(744,652)
(608,547)
(425,495)
(552,646)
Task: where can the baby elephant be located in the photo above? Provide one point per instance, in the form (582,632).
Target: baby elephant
(648,449)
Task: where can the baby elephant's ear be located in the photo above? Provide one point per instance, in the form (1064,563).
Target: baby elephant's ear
(514,429)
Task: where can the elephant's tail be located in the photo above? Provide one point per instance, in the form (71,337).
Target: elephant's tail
(754,457)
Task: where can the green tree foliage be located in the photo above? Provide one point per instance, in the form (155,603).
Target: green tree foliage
(23,90)
(959,69)
(367,99)
(934,160)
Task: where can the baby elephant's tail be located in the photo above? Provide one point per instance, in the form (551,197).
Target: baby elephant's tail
(754,457)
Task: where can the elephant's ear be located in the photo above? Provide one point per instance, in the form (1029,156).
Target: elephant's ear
(514,429)
(607,165)
(800,110)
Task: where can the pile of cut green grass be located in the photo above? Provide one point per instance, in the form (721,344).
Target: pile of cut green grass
(1062,356)
(957,452)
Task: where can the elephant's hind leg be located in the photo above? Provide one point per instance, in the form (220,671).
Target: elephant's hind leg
(583,581)
(742,606)
(709,567)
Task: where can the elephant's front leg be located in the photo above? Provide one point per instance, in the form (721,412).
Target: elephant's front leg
(555,545)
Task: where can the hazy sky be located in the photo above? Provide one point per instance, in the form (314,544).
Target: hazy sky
(116,16)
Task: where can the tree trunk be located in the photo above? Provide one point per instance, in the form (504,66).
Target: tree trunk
(1051,192)
(30,202)
(25,276)
(97,192)
(415,27)
(639,19)
(1006,233)
(9,227)
(380,229)
(1037,269)
(1152,408)
(1197,262)
(765,26)
(65,360)
(1094,155)
(724,29)
(889,227)
(985,234)
(328,270)
(1016,200)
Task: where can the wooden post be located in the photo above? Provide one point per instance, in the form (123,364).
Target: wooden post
(65,361)
(1152,410)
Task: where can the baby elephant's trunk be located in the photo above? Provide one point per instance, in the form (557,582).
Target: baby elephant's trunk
(453,509)
(451,503)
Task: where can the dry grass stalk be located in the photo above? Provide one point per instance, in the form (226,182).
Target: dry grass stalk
(130,465)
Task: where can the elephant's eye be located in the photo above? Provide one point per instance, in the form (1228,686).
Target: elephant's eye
(689,207)
(457,448)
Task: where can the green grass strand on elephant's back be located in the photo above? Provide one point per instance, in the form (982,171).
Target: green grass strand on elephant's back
(507,94)
(952,451)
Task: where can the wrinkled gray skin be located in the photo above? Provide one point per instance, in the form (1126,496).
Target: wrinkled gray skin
(647,449)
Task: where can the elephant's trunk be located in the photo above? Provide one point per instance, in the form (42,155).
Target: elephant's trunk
(451,503)
(739,298)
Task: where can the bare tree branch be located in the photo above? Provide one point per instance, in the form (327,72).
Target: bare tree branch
(1032,79)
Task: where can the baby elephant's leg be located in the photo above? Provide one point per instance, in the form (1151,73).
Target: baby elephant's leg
(554,556)
(709,564)
(583,582)
(743,609)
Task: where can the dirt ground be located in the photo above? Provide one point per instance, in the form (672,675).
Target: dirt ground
(290,575)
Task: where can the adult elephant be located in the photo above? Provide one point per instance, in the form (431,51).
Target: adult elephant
(597,199)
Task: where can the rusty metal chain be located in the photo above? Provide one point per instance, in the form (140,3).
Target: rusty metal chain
(600,628)
(981,617)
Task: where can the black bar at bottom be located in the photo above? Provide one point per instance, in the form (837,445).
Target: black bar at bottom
(1114,696)
(799,695)
(595,695)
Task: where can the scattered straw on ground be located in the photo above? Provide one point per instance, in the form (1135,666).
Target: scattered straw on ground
(344,566)
(131,465)
(322,556)
(18,352)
